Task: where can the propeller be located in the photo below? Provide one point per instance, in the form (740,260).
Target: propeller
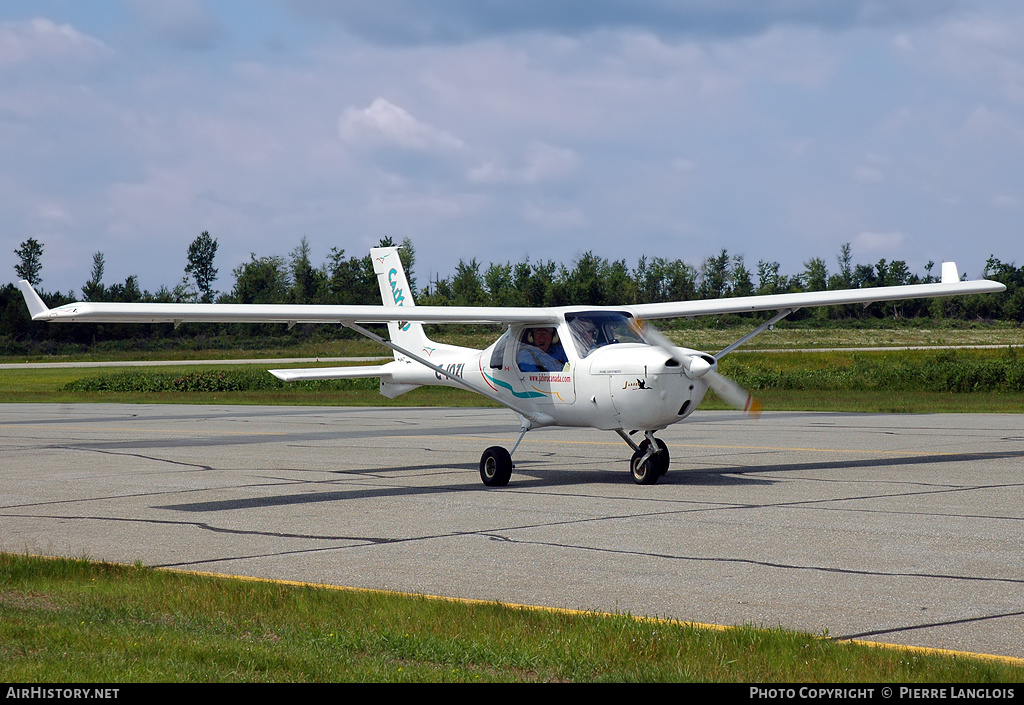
(703,367)
(732,393)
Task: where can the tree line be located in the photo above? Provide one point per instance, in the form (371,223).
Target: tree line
(589,280)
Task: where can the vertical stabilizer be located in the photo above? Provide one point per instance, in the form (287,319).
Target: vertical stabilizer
(36,308)
(395,291)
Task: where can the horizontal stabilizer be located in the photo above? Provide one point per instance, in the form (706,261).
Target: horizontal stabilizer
(317,373)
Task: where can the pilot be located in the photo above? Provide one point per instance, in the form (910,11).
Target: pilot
(541,352)
(584,332)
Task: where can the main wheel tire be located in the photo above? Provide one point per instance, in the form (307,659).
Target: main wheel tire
(661,459)
(644,472)
(495,467)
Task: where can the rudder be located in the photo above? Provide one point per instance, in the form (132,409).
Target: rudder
(395,291)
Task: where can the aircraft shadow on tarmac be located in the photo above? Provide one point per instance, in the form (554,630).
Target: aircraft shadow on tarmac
(527,477)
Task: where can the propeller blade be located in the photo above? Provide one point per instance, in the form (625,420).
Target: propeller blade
(656,337)
(698,366)
(732,393)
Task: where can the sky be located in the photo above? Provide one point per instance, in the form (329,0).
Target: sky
(509,130)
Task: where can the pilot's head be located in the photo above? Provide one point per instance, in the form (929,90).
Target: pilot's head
(585,330)
(542,337)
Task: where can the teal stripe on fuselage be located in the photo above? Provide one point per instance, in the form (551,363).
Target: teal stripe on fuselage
(519,395)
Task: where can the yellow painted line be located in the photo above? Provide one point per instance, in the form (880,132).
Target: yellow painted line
(108,429)
(528,440)
(1010,660)
(807,450)
(562,441)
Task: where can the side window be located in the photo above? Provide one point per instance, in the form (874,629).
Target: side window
(540,350)
(498,354)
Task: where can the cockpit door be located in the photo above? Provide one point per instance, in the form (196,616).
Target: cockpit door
(543,366)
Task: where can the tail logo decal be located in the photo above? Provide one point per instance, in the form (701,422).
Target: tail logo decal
(397,294)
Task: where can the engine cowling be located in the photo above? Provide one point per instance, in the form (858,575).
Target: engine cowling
(646,389)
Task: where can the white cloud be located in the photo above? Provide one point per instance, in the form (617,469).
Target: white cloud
(555,218)
(543,162)
(425,205)
(183,23)
(904,43)
(43,40)
(682,143)
(683,165)
(53,214)
(988,123)
(878,242)
(867,174)
(384,124)
(985,51)
(871,170)
(398,22)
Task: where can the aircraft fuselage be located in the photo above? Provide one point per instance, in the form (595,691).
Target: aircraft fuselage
(620,381)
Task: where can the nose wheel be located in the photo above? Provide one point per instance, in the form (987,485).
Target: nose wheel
(649,461)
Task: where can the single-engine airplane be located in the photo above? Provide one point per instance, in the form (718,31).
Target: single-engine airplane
(582,366)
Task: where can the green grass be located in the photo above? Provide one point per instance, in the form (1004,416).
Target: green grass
(701,334)
(892,381)
(77,621)
(880,402)
(65,385)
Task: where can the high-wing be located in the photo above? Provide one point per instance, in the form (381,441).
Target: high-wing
(773,302)
(95,312)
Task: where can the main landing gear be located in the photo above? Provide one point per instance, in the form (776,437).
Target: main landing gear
(496,463)
(496,466)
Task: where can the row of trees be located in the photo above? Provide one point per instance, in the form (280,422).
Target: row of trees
(598,281)
(595,280)
(589,280)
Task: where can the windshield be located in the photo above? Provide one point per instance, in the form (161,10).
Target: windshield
(594,330)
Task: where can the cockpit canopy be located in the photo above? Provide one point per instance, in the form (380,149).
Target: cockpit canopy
(588,331)
(592,330)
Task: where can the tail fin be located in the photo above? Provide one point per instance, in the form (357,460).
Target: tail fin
(36,308)
(395,291)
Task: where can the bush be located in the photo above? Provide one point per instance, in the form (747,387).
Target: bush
(953,371)
(240,380)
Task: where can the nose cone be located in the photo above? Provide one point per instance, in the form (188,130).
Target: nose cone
(697,367)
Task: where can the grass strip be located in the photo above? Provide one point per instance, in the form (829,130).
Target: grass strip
(64,620)
(904,381)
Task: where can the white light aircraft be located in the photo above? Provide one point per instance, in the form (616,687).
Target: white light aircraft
(581,366)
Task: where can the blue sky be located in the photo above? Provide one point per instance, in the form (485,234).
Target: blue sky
(509,129)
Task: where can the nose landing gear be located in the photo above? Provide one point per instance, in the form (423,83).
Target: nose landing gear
(650,459)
